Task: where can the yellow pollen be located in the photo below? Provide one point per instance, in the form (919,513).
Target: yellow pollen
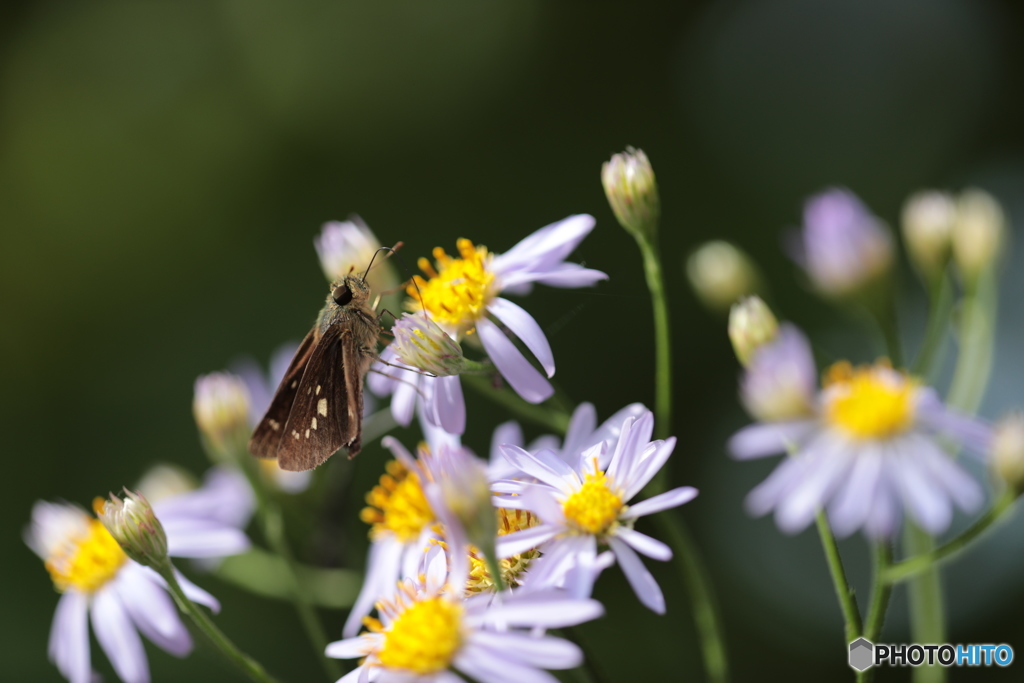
(511,568)
(397,504)
(459,290)
(869,402)
(595,507)
(86,563)
(424,638)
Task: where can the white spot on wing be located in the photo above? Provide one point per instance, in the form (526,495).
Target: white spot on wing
(317,389)
(321,407)
(295,434)
(313,423)
(274,424)
(307,433)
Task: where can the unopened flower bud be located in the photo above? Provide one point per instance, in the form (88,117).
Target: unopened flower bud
(978,234)
(135,527)
(421,343)
(221,409)
(751,325)
(465,492)
(843,247)
(348,246)
(927,222)
(721,274)
(632,192)
(779,383)
(1008,449)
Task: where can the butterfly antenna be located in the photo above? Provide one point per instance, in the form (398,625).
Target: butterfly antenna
(391,250)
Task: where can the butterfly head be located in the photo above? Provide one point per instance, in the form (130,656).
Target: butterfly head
(349,290)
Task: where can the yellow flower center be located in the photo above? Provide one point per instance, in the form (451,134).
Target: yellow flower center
(869,402)
(459,290)
(86,563)
(511,568)
(424,638)
(397,504)
(595,507)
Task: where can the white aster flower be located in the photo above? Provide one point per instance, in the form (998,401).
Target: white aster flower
(347,246)
(122,597)
(402,523)
(584,502)
(461,295)
(865,449)
(427,630)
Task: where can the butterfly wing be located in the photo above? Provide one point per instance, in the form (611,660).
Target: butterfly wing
(324,416)
(267,436)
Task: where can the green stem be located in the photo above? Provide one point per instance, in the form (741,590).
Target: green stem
(880,592)
(901,571)
(698,584)
(662,344)
(926,602)
(273,528)
(250,666)
(555,420)
(851,615)
(939,308)
(977,340)
(494,567)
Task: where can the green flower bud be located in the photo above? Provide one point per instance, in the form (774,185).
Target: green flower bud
(978,234)
(927,222)
(721,274)
(632,192)
(751,325)
(136,529)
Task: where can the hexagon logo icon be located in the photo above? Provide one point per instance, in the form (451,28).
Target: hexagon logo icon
(862,653)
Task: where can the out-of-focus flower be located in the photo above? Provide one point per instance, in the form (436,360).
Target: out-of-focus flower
(459,487)
(461,295)
(402,522)
(927,222)
(842,246)
(348,246)
(135,527)
(751,325)
(1008,449)
(584,503)
(868,452)
(978,234)
(426,630)
(632,192)
(95,576)
(721,274)
(220,405)
(780,382)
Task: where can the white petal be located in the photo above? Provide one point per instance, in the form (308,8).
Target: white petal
(203,538)
(543,466)
(350,648)
(541,501)
(506,433)
(545,652)
(886,511)
(962,488)
(118,638)
(645,469)
(449,405)
(69,637)
(923,498)
(521,541)
(512,365)
(851,503)
(488,665)
(662,501)
(194,592)
(826,470)
(769,492)
(634,437)
(544,247)
(760,440)
(526,328)
(644,585)
(545,608)
(644,544)
(581,427)
(383,566)
(560,556)
(569,276)
(153,612)
(403,401)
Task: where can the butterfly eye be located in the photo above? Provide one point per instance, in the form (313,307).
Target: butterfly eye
(342,295)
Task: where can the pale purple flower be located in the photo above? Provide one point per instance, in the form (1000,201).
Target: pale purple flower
(842,246)
(583,503)
(866,451)
(493,639)
(462,297)
(122,597)
(347,246)
(780,382)
(440,402)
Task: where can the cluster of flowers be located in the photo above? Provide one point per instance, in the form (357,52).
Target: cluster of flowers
(470,560)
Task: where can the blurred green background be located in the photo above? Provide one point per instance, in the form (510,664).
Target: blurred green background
(165,166)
